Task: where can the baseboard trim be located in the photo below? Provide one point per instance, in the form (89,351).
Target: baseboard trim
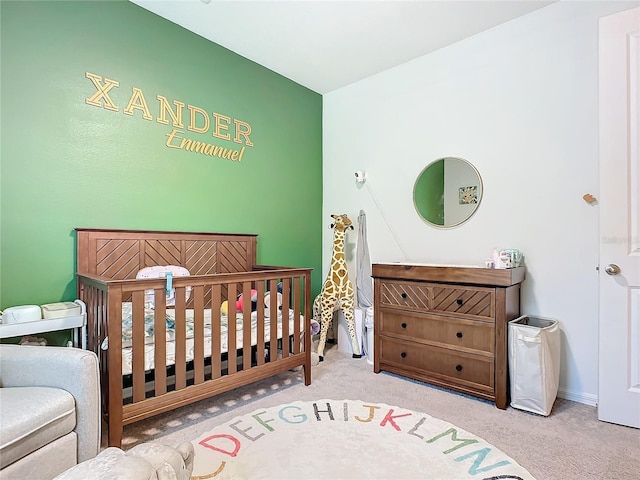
(587,399)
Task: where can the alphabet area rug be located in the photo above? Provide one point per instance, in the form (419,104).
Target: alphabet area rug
(347,439)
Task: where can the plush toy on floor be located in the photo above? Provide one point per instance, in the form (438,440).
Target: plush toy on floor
(337,291)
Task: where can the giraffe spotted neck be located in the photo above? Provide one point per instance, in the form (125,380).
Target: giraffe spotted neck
(338,273)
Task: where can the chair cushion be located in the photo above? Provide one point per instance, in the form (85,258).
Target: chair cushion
(32,417)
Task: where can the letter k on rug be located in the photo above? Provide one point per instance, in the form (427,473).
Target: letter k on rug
(347,439)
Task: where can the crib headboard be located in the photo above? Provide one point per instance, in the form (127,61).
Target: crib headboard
(120,254)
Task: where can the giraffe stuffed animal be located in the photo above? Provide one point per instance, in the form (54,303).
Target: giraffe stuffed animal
(337,291)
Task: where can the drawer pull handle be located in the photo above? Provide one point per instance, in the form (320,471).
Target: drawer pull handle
(459,368)
(459,302)
(404,325)
(403,295)
(403,354)
(459,334)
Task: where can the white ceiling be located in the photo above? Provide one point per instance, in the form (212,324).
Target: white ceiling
(326,44)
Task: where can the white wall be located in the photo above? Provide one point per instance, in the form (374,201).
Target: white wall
(519,101)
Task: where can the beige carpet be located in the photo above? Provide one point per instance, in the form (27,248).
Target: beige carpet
(569,444)
(346,439)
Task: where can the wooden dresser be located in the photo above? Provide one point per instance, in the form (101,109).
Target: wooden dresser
(446,325)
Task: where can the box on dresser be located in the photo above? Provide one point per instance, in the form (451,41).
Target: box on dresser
(446,325)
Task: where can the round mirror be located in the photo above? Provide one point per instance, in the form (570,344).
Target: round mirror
(447,192)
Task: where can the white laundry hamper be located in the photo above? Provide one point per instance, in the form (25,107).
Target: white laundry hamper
(534,363)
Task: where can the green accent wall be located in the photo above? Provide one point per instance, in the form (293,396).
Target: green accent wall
(67,164)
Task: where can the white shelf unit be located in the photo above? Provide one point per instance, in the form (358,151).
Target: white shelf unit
(77,322)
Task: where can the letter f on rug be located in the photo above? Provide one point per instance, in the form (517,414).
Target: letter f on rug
(347,439)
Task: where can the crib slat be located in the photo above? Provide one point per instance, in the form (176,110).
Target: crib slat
(90,301)
(100,312)
(216,358)
(137,344)
(246,326)
(198,334)
(286,296)
(260,324)
(307,326)
(273,320)
(232,357)
(297,339)
(160,345)
(181,339)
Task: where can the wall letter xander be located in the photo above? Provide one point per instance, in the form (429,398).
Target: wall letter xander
(170,112)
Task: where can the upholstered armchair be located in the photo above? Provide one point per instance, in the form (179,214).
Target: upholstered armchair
(49,410)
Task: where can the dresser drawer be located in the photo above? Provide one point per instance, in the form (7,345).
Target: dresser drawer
(474,302)
(412,295)
(470,335)
(451,366)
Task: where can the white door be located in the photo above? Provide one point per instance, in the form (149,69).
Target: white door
(619,204)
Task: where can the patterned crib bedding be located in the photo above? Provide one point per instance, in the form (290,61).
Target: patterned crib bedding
(149,354)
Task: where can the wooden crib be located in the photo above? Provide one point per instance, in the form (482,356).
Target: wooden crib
(139,379)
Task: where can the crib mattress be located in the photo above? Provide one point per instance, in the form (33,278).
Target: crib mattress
(149,347)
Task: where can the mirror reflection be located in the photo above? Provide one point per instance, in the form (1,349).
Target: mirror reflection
(447,192)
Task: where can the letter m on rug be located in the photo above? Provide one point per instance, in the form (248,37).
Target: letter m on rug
(454,438)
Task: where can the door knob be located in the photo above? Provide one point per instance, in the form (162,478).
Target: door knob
(612,269)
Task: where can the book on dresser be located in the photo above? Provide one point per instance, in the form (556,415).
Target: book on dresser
(446,325)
